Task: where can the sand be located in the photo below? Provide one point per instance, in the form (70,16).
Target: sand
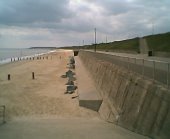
(44,96)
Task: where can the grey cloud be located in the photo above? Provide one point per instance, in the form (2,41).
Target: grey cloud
(116,8)
(31,11)
(35,37)
(118,19)
(152,3)
(65,26)
(113,7)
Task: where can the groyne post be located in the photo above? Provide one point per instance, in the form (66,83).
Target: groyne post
(9,77)
(33,76)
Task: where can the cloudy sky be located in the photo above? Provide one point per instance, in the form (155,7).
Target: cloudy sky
(57,23)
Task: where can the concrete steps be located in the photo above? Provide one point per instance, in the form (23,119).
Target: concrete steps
(143,46)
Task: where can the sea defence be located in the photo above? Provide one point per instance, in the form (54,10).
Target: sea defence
(128,99)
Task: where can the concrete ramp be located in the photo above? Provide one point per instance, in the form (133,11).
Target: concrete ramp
(143,46)
(88,95)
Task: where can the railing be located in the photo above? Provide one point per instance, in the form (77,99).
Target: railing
(2,113)
(155,70)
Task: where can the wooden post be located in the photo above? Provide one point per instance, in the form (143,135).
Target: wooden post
(33,77)
(9,77)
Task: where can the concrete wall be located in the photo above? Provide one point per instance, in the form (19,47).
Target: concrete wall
(162,54)
(129,100)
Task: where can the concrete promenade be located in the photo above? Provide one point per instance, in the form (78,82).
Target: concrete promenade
(155,68)
(64,128)
(140,56)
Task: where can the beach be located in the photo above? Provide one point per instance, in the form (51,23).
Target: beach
(43,96)
(39,108)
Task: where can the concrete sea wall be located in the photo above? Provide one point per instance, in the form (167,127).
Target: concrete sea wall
(162,54)
(129,100)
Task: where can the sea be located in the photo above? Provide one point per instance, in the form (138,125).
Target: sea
(7,53)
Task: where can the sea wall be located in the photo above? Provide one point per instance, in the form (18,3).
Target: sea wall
(162,54)
(129,100)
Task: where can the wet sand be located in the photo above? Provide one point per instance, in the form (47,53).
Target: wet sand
(42,97)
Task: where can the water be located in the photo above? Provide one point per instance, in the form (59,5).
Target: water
(7,53)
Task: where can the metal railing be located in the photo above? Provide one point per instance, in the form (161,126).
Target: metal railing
(155,70)
(2,113)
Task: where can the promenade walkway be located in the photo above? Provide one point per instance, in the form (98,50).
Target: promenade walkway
(155,68)
(64,128)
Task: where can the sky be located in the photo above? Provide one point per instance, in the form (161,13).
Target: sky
(58,23)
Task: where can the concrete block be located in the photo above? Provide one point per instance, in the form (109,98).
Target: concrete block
(105,112)
(88,95)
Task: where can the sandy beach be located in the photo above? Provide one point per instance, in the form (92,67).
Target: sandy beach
(44,96)
(40,109)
